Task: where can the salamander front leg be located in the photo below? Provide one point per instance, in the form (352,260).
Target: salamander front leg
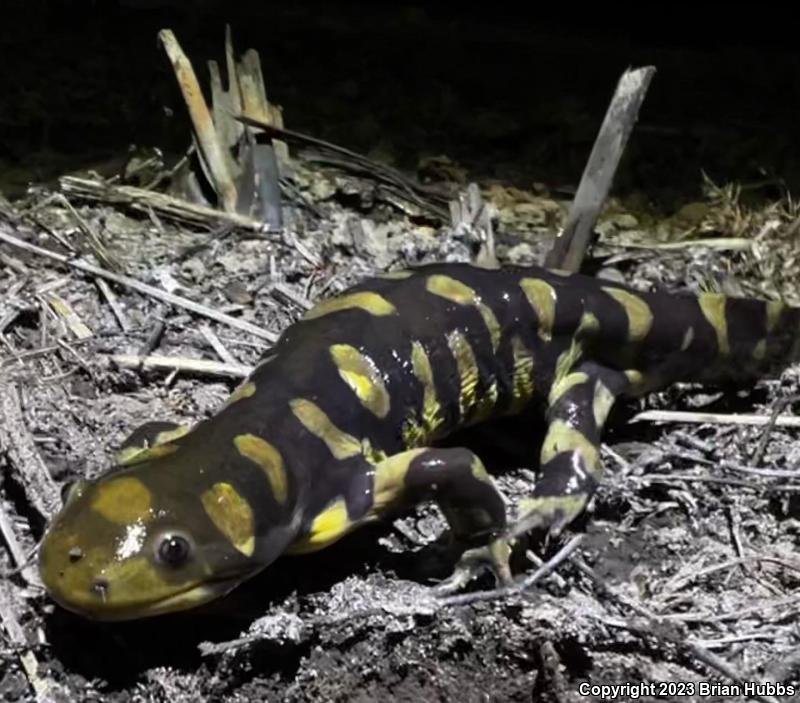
(571,467)
(475,511)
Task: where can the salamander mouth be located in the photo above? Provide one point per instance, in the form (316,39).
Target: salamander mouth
(191,597)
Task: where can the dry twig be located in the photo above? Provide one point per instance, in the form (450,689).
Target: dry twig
(558,558)
(113,303)
(572,243)
(21,560)
(653,626)
(219,348)
(197,366)
(8,612)
(167,206)
(140,287)
(780,406)
(16,441)
(715,418)
(425,197)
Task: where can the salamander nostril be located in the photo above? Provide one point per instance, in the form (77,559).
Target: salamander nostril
(100,587)
(75,554)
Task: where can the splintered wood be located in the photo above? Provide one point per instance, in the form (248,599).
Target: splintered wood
(470,215)
(247,183)
(572,242)
(215,159)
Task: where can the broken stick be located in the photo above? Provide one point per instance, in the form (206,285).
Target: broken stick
(149,201)
(679,416)
(213,155)
(204,367)
(572,242)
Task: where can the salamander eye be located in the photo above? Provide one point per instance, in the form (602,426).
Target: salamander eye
(173,550)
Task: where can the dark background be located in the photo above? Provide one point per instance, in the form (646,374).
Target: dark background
(510,93)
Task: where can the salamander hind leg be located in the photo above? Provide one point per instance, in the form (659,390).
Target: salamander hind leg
(475,510)
(571,466)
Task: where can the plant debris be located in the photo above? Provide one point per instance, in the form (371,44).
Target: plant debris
(685,571)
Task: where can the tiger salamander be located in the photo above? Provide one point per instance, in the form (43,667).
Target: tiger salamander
(338,426)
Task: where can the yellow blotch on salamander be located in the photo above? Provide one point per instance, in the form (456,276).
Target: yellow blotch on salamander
(232,516)
(601,403)
(638,382)
(170,435)
(246,390)
(370,302)
(774,310)
(640,317)
(479,471)
(395,275)
(390,478)
(329,526)
(361,374)
(314,419)
(467,371)
(123,501)
(522,377)
(588,326)
(460,293)
(268,459)
(542,298)
(431,408)
(128,456)
(713,307)
(564,384)
(562,437)
(451,289)
(554,512)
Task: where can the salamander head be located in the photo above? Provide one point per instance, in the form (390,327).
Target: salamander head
(141,542)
